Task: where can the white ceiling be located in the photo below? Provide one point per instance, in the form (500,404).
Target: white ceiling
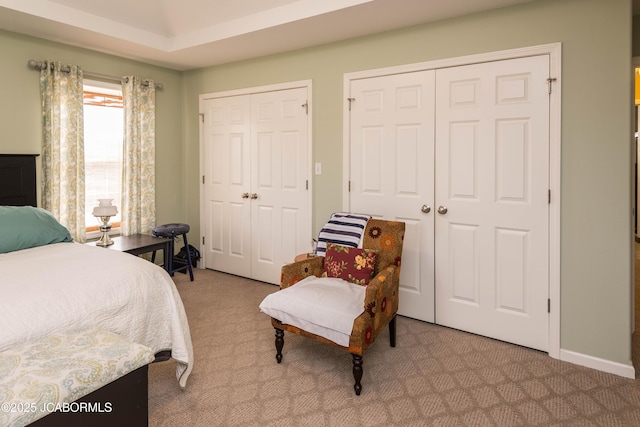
(188,34)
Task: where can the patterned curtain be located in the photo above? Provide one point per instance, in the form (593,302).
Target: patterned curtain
(139,166)
(63,145)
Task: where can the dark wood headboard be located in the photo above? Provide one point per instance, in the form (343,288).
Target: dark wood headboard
(18,180)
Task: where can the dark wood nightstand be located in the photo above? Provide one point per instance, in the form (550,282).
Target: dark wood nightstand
(137,244)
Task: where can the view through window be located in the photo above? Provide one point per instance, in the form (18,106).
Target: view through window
(103,140)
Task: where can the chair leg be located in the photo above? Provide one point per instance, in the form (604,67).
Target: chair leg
(279,344)
(357,373)
(392,332)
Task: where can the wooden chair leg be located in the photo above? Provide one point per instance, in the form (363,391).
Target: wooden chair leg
(279,344)
(357,373)
(392,332)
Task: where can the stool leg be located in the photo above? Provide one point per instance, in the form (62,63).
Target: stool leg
(170,266)
(153,256)
(186,248)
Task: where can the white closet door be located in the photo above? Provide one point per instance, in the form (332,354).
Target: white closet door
(492,177)
(280,221)
(256,201)
(226,148)
(392,172)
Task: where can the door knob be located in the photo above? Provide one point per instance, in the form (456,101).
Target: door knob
(254,196)
(442,210)
(425,208)
(245,195)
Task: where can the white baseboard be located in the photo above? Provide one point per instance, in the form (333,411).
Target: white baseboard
(604,365)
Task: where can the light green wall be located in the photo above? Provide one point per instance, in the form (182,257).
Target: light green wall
(596,236)
(20,108)
(596,170)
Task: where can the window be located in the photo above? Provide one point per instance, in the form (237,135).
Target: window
(103,139)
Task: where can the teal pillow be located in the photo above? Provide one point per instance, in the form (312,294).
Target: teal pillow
(23,227)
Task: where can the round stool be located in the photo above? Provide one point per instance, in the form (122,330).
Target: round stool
(171,231)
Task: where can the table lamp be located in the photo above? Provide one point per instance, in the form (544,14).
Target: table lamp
(105,210)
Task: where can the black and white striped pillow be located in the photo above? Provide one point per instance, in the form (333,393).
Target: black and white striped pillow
(342,229)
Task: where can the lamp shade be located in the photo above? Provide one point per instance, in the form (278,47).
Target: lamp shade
(105,208)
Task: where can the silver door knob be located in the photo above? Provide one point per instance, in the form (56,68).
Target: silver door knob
(425,208)
(254,196)
(245,195)
(442,210)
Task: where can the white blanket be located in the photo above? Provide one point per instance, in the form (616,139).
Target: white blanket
(52,288)
(323,306)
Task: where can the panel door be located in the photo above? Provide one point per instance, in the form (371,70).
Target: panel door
(227,184)
(280,217)
(392,172)
(492,181)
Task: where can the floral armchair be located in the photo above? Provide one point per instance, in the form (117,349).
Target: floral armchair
(380,303)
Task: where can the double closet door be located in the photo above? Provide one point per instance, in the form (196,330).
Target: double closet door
(255,182)
(461,155)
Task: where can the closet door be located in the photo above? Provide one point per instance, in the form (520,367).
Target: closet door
(280,220)
(226,143)
(392,172)
(256,200)
(474,196)
(492,183)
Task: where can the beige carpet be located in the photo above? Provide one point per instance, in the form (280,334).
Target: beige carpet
(434,377)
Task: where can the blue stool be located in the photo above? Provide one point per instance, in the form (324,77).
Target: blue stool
(171,231)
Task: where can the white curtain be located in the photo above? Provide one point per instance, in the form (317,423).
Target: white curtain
(63,145)
(138,168)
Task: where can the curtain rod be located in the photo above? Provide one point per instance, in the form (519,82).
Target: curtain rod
(39,65)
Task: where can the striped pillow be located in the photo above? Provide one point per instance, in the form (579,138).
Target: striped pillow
(342,229)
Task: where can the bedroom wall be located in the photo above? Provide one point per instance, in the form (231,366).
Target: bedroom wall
(596,169)
(596,233)
(20,108)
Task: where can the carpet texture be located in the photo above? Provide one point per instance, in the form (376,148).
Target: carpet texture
(435,376)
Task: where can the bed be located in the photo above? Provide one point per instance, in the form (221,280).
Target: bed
(58,286)
(50,284)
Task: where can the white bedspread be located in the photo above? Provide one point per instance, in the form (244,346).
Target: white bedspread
(68,285)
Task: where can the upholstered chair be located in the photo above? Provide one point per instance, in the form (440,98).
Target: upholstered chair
(380,297)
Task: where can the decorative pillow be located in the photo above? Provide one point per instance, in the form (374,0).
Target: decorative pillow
(344,229)
(23,227)
(354,265)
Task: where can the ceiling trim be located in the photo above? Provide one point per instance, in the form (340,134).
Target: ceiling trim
(178,34)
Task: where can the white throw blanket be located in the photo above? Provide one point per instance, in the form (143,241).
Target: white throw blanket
(323,306)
